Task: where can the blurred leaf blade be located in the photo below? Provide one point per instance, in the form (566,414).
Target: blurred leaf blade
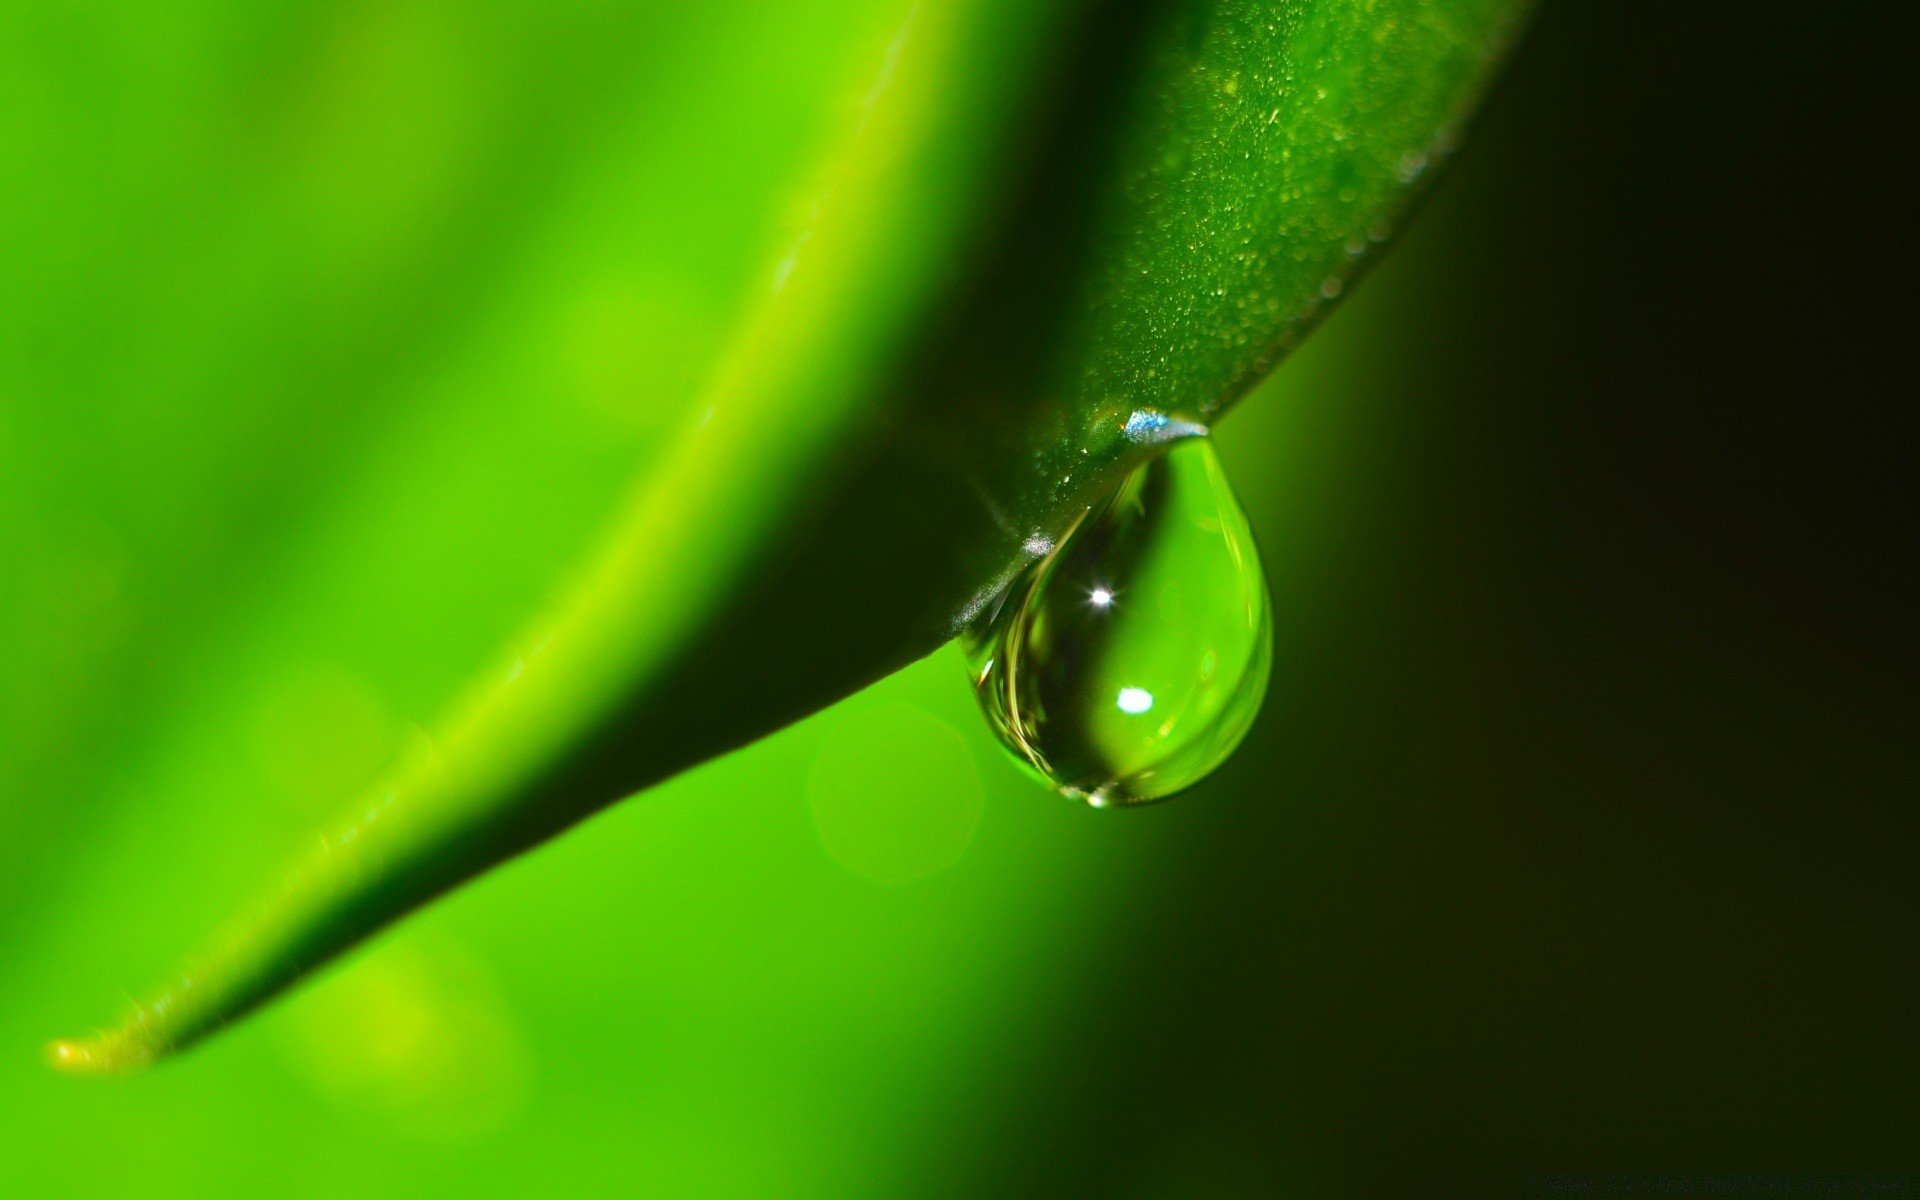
(207,355)
(882,212)
(1141,313)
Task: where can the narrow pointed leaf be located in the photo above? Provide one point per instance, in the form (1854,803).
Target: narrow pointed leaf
(1046,234)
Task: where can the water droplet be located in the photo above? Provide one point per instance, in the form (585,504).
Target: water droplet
(1130,662)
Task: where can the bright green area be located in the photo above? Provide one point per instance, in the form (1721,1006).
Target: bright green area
(333,335)
(329,336)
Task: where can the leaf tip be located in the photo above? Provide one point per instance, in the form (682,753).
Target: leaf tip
(103,1054)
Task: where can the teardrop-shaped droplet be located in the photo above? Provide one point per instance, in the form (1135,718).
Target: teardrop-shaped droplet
(1129,663)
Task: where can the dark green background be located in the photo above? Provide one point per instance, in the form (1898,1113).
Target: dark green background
(1577,833)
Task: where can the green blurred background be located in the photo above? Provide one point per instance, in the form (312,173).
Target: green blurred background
(1576,834)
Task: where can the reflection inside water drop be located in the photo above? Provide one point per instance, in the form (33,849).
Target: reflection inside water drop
(1130,662)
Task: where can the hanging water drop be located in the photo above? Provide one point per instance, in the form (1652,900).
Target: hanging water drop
(1130,662)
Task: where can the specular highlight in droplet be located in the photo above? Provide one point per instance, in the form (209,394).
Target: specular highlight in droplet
(1130,662)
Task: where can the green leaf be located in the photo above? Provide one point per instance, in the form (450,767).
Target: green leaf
(1029,222)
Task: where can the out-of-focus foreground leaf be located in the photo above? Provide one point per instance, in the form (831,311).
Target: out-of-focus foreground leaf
(1019,225)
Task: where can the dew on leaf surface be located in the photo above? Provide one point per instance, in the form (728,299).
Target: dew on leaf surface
(1130,662)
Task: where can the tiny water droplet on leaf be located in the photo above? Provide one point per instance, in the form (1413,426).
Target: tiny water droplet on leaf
(1130,662)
